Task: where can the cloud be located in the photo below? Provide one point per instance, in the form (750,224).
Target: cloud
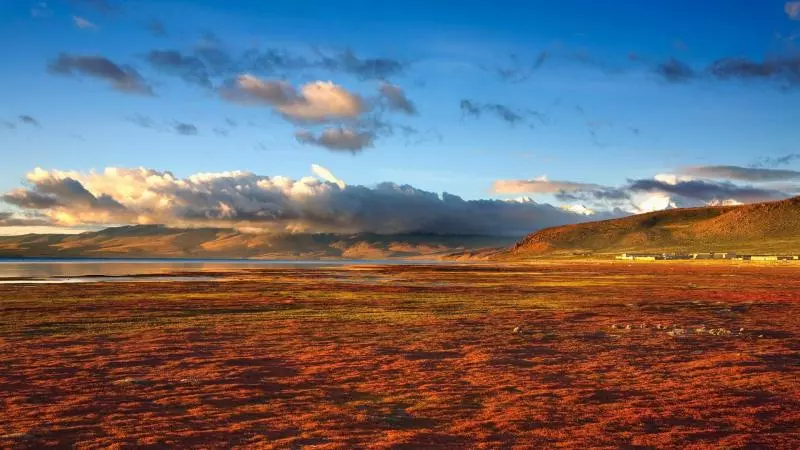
(82,23)
(337,139)
(706,191)
(8,219)
(181,128)
(156,28)
(190,69)
(540,185)
(792,10)
(785,69)
(380,68)
(327,175)
(185,129)
(28,120)
(784,160)
(503,112)
(518,71)
(319,101)
(122,78)
(279,204)
(41,11)
(675,71)
(741,173)
(396,98)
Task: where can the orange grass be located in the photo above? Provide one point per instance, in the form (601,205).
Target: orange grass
(408,357)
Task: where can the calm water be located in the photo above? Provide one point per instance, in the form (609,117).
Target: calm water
(77,270)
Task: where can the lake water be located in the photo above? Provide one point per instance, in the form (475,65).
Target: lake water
(90,270)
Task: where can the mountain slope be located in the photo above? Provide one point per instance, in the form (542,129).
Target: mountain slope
(772,227)
(162,242)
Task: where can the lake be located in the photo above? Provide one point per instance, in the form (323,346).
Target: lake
(90,270)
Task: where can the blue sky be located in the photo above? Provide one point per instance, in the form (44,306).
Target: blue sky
(606,111)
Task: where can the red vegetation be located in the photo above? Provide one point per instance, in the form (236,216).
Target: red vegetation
(409,357)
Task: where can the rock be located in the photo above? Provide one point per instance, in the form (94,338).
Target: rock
(677,332)
(614,326)
(517,330)
(628,327)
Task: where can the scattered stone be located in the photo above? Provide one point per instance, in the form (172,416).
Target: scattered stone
(719,332)
(614,326)
(700,330)
(130,381)
(677,332)
(643,326)
(517,330)
(628,327)
(741,330)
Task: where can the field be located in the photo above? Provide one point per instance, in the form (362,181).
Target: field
(607,355)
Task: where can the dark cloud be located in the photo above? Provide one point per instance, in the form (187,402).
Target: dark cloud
(242,199)
(785,70)
(185,129)
(338,139)
(181,128)
(518,71)
(776,161)
(122,78)
(503,112)
(706,191)
(156,28)
(190,69)
(396,98)
(28,120)
(8,125)
(219,131)
(675,71)
(380,68)
(8,219)
(742,173)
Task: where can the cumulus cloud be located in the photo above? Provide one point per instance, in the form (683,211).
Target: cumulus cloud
(742,173)
(793,10)
(319,101)
(82,23)
(337,139)
(122,78)
(396,98)
(247,200)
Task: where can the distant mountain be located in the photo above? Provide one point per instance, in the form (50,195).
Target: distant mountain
(772,227)
(150,241)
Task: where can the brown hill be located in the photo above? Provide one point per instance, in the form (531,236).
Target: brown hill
(162,242)
(772,227)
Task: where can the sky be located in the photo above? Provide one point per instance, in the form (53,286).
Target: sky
(418,116)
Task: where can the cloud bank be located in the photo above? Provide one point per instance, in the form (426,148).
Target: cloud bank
(271,204)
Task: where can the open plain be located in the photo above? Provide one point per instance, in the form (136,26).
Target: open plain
(540,355)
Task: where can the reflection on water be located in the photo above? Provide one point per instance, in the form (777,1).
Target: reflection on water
(67,268)
(90,279)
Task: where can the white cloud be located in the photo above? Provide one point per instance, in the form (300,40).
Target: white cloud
(327,175)
(793,10)
(82,23)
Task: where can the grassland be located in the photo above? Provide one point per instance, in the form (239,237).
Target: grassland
(609,355)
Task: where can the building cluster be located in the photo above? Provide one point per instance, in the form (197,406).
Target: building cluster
(714,255)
